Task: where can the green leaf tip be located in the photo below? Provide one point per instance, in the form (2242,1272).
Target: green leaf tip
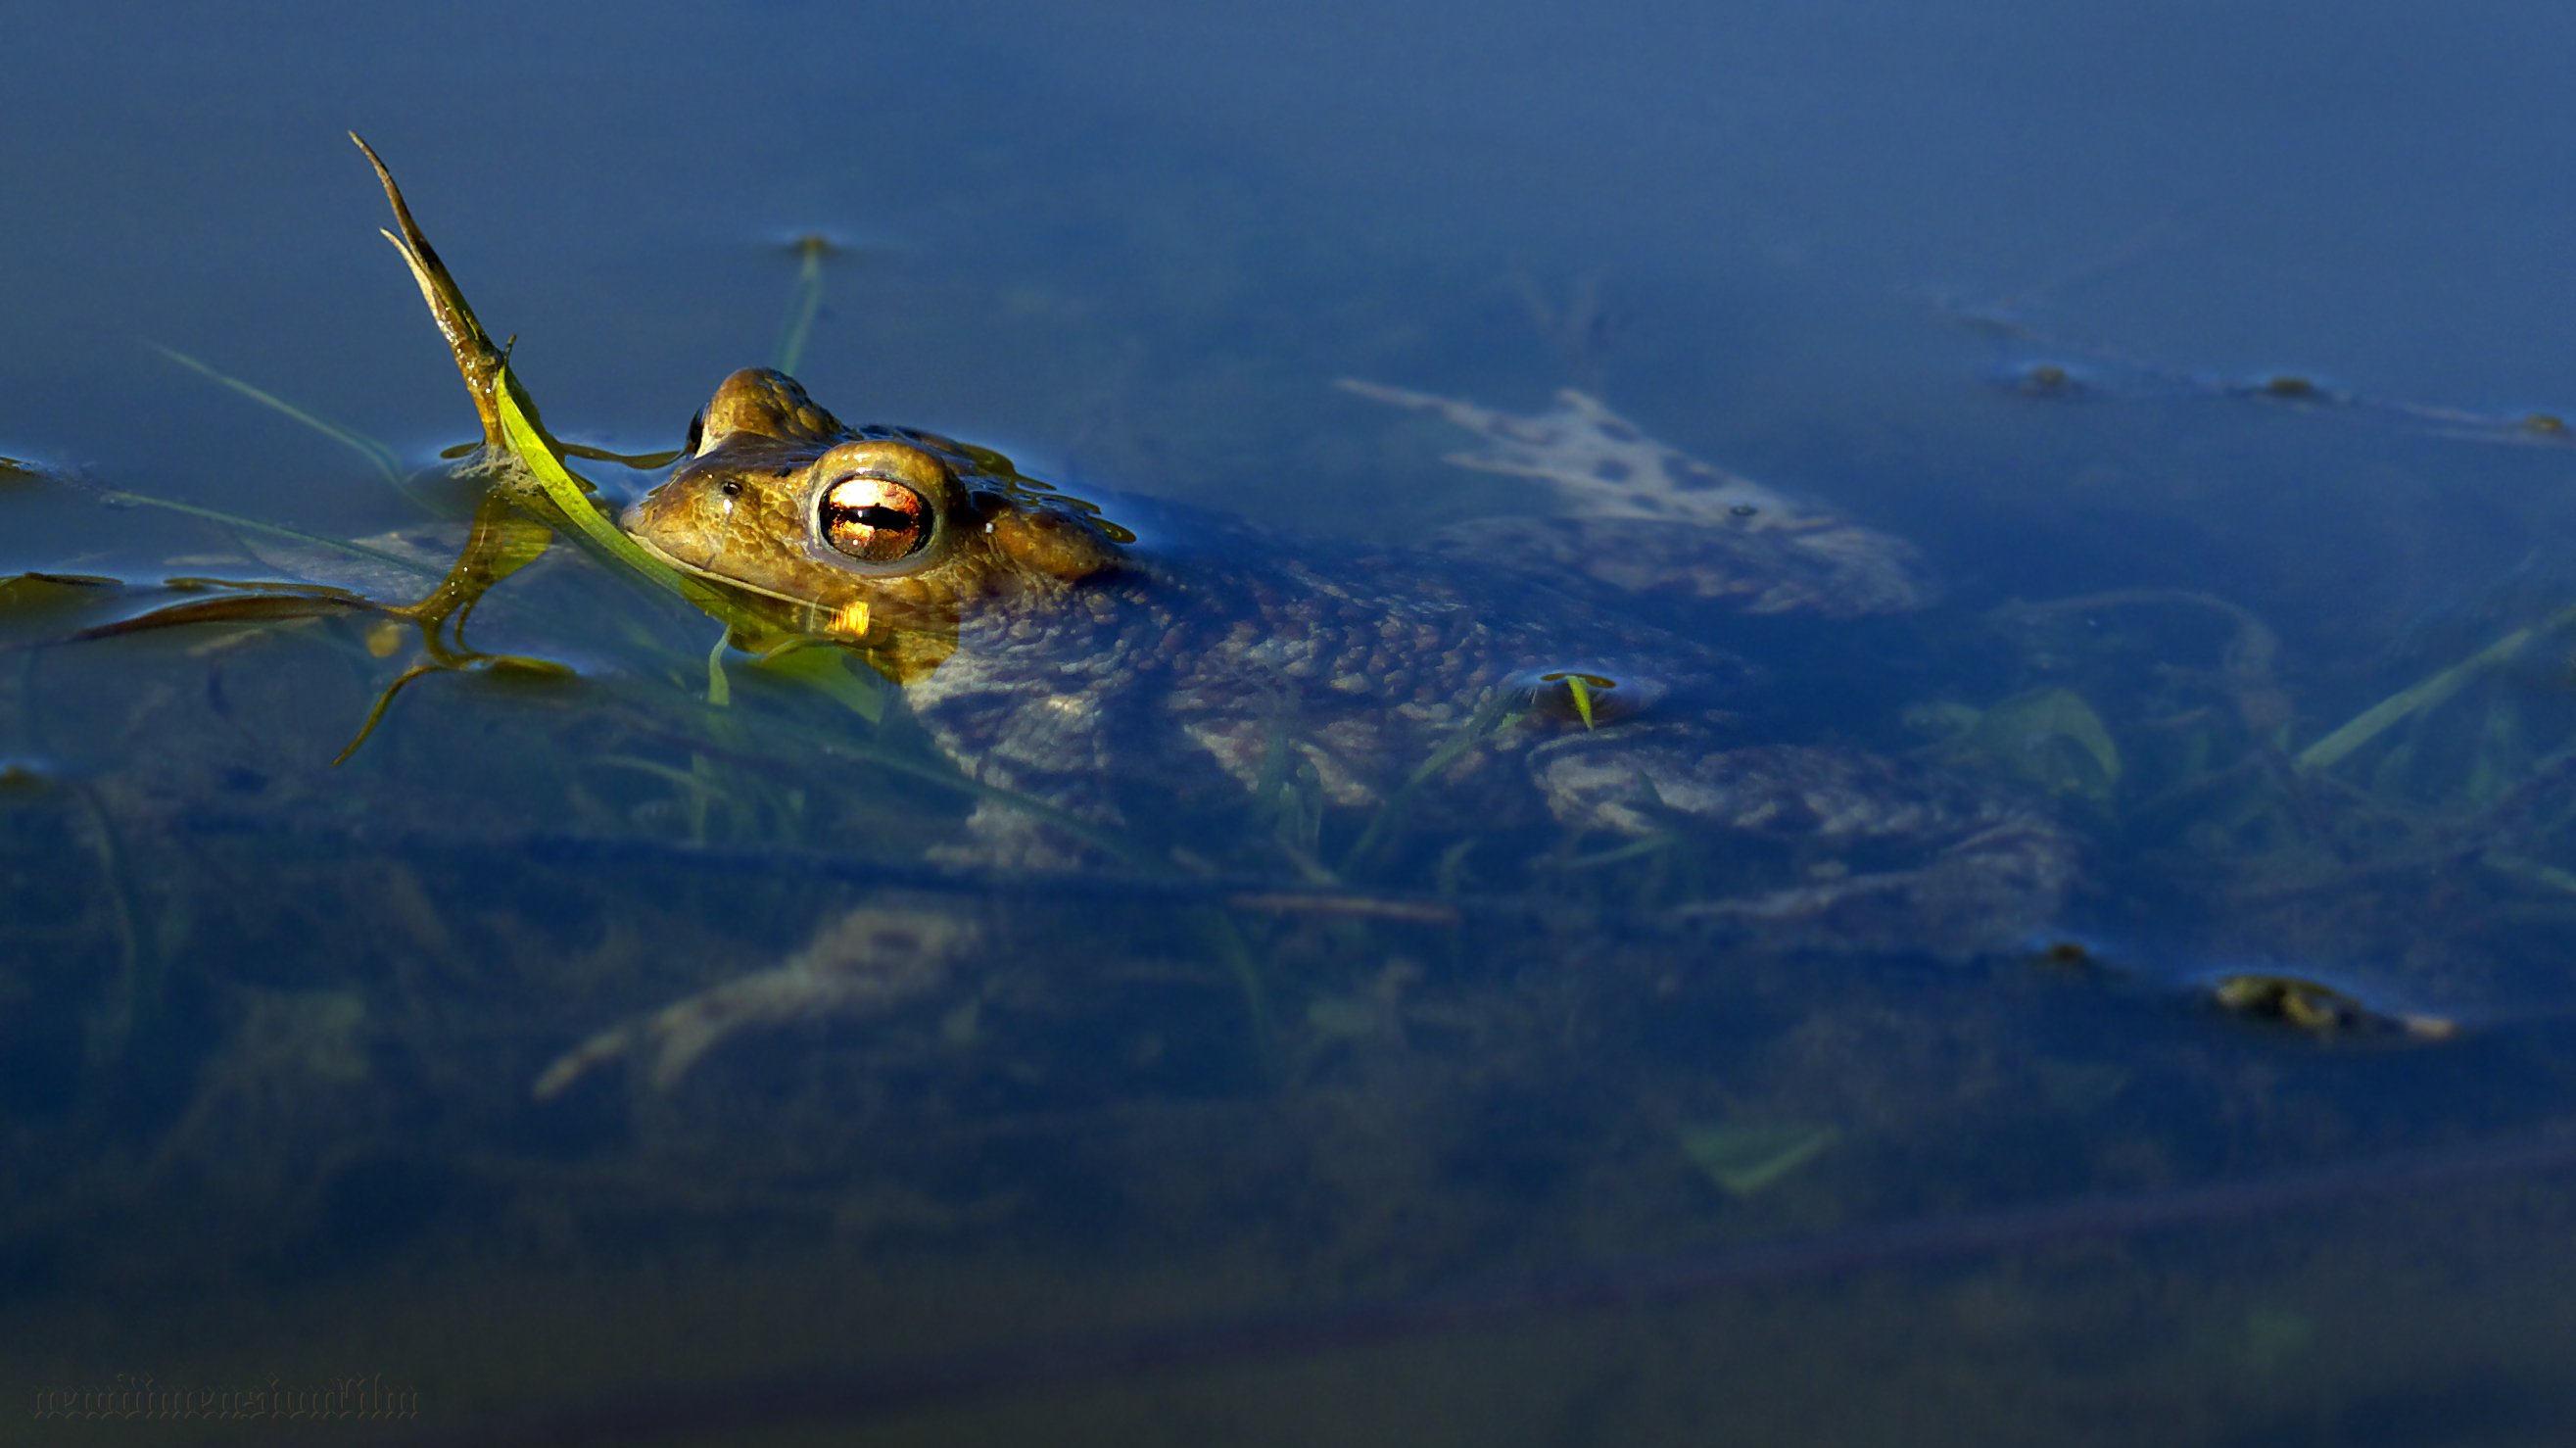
(1745,1158)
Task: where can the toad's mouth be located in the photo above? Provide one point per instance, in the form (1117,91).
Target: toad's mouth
(702,567)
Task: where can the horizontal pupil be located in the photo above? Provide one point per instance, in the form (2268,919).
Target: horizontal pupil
(878,515)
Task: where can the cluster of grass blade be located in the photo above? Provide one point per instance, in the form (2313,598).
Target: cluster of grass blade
(2428,694)
(2465,758)
(2463,736)
(2457,752)
(2198,771)
(498,544)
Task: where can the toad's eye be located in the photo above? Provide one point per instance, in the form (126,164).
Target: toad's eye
(874,520)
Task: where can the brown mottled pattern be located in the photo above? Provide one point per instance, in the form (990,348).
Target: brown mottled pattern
(1151,684)
(1642,517)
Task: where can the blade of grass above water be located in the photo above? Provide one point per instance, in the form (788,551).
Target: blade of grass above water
(384,458)
(808,304)
(537,454)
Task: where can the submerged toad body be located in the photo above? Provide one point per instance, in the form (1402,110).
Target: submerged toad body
(1054,656)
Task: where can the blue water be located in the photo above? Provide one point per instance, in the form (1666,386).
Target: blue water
(266,1026)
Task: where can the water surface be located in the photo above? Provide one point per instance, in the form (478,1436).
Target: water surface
(270,1024)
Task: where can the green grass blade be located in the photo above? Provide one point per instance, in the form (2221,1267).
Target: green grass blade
(538,454)
(808,304)
(1499,712)
(386,460)
(2425,694)
(273,530)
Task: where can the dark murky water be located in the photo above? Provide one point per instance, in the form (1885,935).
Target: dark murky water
(2199,350)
